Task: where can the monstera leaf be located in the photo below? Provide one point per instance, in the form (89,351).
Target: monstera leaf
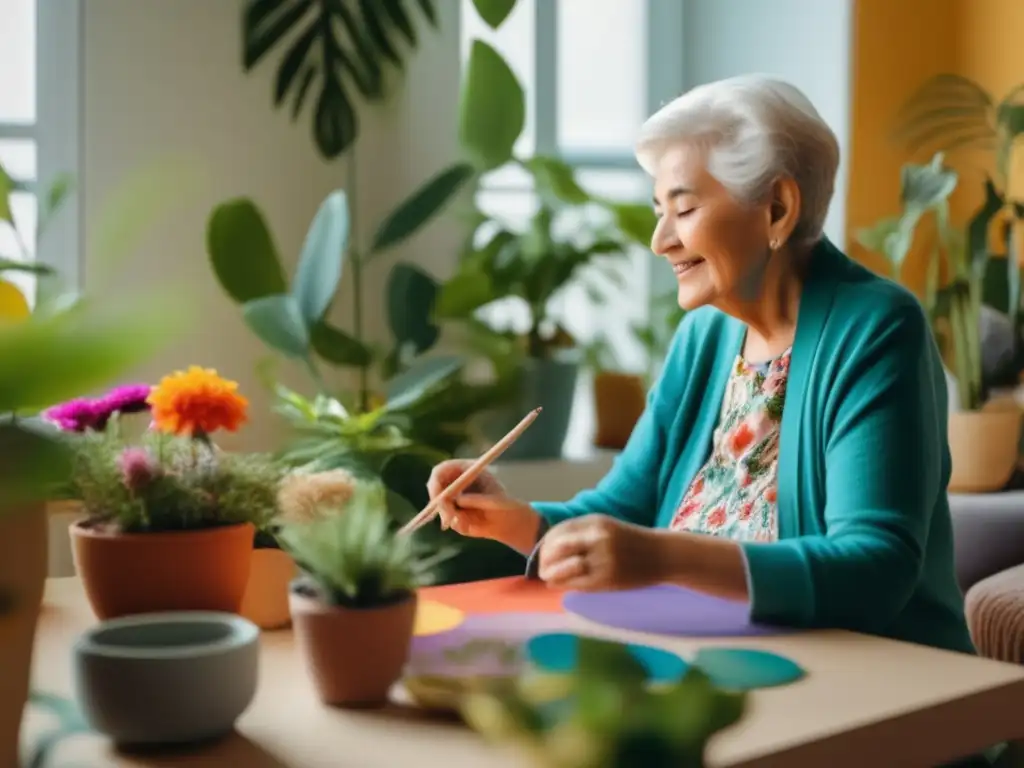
(330,47)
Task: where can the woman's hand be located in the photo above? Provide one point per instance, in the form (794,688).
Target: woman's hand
(598,552)
(484,510)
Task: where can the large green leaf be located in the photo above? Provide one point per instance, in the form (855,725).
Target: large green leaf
(978,227)
(494,12)
(946,112)
(35,462)
(47,359)
(463,294)
(333,45)
(556,180)
(405,389)
(319,271)
(411,294)
(492,108)
(278,322)
(242,252)
(922,187)
(422,206)
(337,347)
(636,221)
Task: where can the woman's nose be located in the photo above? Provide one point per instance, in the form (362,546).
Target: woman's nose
(664,239)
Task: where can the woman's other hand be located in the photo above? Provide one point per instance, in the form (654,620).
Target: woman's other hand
(484,510)
(598,552)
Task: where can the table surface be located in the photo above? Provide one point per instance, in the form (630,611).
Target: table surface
(864,698)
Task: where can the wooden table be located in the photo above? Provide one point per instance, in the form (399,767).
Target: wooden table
(865,701)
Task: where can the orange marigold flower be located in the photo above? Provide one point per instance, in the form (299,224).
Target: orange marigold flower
(197,402)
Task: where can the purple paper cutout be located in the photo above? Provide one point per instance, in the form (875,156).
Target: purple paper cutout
(491,645)
(668,610)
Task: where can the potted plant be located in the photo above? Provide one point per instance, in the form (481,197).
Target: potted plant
(426,408)
(620,396)
(170,519)
(354,607)
(56,350)
(605,715)
(301,497)
(984,433)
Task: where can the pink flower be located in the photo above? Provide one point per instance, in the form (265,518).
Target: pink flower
(138,469)
(775,384)
(77,415)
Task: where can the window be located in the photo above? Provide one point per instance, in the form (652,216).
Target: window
(39,101)
(591,75)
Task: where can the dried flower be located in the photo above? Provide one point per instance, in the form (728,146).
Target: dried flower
(197,402)
(76,415)
(138,468)
(303,498)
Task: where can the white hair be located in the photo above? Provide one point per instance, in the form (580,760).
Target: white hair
(754,128)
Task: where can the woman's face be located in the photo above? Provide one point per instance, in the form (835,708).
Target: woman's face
(717,246)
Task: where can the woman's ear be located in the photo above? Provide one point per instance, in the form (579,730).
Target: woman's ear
(784,209)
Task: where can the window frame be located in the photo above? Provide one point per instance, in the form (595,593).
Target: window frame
(56,131)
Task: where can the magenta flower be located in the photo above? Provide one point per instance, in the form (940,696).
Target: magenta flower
(138,469)
(75,415)
(129,398)
(83,414)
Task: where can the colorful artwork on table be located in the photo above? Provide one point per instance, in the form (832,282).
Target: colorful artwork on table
(433,617)
(470,633)
(744,669)
(668,610)
(512,594)
(558,652)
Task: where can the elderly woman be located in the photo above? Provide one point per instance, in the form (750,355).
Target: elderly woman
(793,453)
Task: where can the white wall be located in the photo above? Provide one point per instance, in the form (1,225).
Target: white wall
(163,81)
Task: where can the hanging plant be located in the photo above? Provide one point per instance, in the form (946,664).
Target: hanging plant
(330,48)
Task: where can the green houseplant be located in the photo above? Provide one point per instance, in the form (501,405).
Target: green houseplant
(61,350)
(429,405)
(983,436)
(532,264)
(605,715)
(355,605)
(331,48)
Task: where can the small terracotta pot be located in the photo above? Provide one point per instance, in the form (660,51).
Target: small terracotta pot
(985,447)
(619,400)
(354,655)
(129,573)
(23,554)
(266,598)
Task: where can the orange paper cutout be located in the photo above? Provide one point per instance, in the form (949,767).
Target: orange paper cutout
(512,594)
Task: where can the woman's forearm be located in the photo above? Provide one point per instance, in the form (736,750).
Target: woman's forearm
(706,563)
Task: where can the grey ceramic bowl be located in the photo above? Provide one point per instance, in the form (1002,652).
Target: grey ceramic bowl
(166,678)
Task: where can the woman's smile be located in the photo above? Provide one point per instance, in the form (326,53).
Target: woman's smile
(686,266)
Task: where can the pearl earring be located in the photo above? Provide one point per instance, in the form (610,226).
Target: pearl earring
(774,245)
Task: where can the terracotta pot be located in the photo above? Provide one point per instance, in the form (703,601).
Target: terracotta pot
(266,598)
(23,555)
(984,446)
(354,655)
(128,573)
(619,400)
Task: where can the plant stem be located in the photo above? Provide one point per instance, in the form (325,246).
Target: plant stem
(357,328)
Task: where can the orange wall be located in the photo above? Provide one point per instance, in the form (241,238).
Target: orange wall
(898,44)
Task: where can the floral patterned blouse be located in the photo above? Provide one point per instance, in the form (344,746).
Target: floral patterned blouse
(734,494)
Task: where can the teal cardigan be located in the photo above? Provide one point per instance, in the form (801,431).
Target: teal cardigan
(865,539)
